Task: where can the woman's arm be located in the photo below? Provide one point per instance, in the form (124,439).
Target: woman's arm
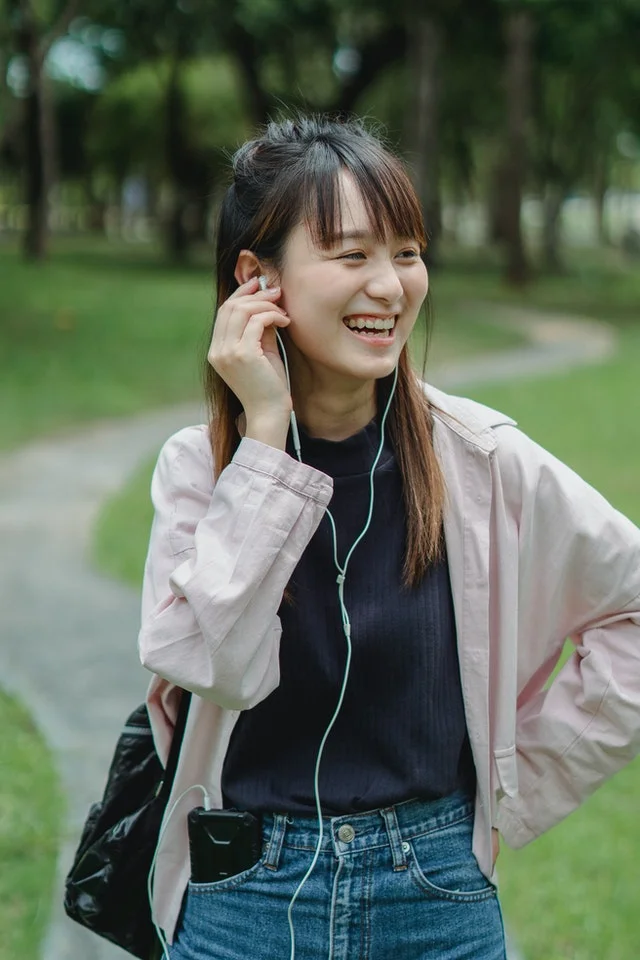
(219,560)
(579,578)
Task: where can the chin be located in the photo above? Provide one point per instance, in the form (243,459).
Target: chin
(376,370)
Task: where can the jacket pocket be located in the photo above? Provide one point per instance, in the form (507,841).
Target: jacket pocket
(506,765)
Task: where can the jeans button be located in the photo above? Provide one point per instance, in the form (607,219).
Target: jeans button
(405,847)
(346,833)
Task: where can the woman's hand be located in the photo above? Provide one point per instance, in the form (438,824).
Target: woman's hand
(244,351)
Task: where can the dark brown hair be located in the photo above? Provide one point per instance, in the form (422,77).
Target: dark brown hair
(290,175)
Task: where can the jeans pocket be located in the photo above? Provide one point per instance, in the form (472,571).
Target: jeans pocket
(229,883)
(443,865)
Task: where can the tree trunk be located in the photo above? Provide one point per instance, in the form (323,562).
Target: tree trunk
(96,207)
(425,52)
(552,208)
(600,195)
(177,236)
(35,146)
(247,53)
(496,228)
(38,122)
(519,33)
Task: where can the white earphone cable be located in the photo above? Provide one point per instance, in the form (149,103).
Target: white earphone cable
(342,573)
(152,870)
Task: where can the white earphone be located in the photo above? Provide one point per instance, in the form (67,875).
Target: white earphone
(340,580)
(295,436)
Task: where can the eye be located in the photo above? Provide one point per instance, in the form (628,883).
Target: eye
(409,254)
(356,255)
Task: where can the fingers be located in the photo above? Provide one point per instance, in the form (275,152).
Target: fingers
(258,322)
(249,287)
(253,286)
(495,844)
(245,302)
(246,345)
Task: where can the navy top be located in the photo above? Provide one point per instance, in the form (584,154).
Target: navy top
(401,732)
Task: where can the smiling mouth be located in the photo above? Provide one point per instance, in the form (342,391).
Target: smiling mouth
(373,328)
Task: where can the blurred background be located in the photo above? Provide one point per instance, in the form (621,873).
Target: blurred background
(520,121)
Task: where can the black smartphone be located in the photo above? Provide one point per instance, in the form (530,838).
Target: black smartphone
(222,843)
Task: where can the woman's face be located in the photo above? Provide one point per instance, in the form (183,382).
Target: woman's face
(359,281)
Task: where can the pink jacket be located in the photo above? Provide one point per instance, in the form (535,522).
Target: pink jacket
(535,556)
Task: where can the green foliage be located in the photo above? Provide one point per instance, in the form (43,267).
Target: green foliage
(127,127)
(30,823)
(585,76)
(215,115)
(271,18)
(240,62)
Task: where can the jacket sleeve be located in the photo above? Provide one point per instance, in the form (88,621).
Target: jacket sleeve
(219,559)
(579,577)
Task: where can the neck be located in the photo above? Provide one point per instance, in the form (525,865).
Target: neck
(336,416)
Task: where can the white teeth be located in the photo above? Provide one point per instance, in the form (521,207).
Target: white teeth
(360,323)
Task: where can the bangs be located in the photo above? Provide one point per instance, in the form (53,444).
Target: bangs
(387,193)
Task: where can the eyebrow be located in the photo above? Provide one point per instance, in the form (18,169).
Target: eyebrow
(359,235)
(352,235)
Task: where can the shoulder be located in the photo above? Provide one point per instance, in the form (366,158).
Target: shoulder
(466,420)
(185,460)
(521,462)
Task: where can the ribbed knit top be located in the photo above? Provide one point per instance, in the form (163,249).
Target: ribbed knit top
(401,731)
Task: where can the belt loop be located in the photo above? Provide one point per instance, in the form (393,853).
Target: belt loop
(395,838)
(274,845)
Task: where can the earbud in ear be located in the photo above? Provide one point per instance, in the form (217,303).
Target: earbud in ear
(262,280)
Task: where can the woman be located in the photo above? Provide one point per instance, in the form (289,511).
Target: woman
(368,622)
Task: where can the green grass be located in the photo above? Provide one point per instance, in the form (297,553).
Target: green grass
(83,337)
(122,530)
(30,816)
(602,283)
(573,893)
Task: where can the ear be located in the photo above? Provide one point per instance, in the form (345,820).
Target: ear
(247,266)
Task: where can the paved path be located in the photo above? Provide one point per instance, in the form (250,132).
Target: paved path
(69,636)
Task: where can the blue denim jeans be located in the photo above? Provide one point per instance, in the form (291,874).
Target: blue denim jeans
(394,884)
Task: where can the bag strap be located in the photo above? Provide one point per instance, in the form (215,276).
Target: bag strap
(176,743)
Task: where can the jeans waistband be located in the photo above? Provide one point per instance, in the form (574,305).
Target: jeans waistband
(354,833)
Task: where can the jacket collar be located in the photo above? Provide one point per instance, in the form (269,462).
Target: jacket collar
(473,422)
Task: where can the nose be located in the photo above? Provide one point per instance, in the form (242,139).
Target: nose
(384,283)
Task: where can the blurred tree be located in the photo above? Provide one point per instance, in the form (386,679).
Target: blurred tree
(33,27)
(583,81)
(190,78)
(126,133)
(519,32)
(444,39)
(166,34)
(284,52)
(425,32)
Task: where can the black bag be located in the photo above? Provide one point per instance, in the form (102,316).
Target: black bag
(106,888)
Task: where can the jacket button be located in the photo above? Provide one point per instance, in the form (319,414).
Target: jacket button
(346,833)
